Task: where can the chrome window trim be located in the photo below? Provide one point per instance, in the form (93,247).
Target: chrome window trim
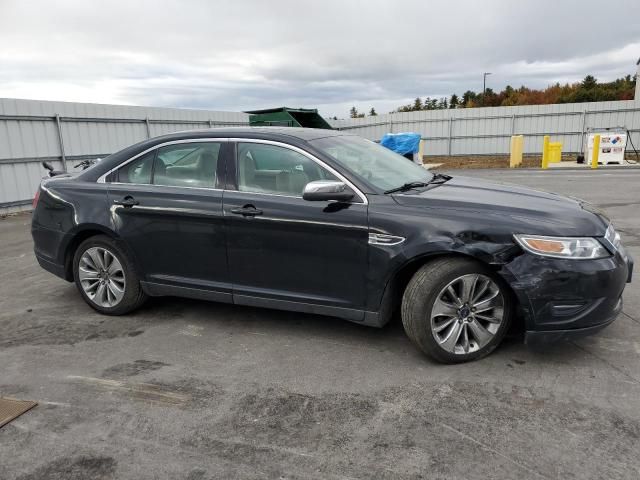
(210,189)
(103,177)
(264,193)
(363,197)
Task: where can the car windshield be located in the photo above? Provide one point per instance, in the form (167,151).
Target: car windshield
(378,165)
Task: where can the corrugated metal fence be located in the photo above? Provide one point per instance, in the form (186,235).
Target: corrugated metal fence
(487,131)
(32,131)
(66,133)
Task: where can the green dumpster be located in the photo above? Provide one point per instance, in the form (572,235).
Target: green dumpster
(287,117)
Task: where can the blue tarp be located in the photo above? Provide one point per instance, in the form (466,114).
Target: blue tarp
(401,143)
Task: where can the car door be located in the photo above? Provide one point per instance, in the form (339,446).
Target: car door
(167,207)
(286,252)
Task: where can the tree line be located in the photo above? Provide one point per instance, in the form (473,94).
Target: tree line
(588,90)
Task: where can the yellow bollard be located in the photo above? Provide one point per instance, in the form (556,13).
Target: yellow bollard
(596,151)
(517,146)
(545,152)
(554,152)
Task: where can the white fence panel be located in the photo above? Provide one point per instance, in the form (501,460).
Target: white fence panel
(486,131)
(32,131)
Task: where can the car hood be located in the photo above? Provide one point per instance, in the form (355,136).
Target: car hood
(538,212)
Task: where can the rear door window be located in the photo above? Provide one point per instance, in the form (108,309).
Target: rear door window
(187,165)
(137,171)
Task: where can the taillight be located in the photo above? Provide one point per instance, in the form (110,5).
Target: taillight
(36,198)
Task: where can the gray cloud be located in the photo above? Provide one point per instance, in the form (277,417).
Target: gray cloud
(331,54)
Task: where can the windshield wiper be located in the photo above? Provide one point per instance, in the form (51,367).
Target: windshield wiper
(437,179)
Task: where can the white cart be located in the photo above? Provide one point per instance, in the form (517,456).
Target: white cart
(612,147)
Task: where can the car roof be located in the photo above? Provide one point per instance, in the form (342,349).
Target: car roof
(292,135)
(294,132)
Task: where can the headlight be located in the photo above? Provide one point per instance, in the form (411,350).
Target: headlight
(579,248)
(612,237)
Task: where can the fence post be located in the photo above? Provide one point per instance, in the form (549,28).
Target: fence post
(596,151)
(61,141)
(449,136)
(513,124)
(390,125)
(584,125)
(545,152)
(146,121)
(210,123)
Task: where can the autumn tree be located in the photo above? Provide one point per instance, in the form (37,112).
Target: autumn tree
(588,90)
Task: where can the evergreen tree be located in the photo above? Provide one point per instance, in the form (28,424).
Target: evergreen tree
(417,104)
(468,98)
(454,101)
(372,112)
(589,82)
(353,113)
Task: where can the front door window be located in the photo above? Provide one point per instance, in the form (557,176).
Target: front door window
(264,168)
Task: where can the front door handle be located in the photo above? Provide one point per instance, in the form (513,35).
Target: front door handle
(127,202)
(246,211)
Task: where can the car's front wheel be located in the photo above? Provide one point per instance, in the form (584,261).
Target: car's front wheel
(456,310)
(105,276)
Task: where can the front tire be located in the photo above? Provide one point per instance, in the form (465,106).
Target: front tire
(105,277)
(456,310)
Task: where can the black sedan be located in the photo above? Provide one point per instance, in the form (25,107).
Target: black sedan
(322,222)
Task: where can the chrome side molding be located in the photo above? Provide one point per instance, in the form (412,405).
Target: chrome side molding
(386,240)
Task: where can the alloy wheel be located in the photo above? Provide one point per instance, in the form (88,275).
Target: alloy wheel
(467,314)
(102,277)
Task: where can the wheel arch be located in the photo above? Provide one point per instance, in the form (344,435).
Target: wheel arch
(77,237)
(397,283)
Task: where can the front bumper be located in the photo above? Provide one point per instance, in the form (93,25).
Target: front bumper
(550,336)
(563,299)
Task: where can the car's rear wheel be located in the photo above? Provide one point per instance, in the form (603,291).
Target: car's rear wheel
(105,276)
(456,310)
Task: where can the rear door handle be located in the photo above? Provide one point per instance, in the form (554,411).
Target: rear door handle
(246,211)
(127,202)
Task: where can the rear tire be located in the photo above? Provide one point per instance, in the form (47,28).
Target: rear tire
(456,310)
(106,278)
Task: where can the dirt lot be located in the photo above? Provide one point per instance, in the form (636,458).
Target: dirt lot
(497,161)
(194,390)
(479,161)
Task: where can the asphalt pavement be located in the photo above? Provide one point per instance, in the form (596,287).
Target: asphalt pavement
(194,390)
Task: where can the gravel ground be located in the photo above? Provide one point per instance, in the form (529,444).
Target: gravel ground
(194,390)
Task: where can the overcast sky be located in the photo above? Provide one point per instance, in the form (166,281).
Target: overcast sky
(240,55)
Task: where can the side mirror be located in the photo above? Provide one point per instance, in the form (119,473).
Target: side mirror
(324,190)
